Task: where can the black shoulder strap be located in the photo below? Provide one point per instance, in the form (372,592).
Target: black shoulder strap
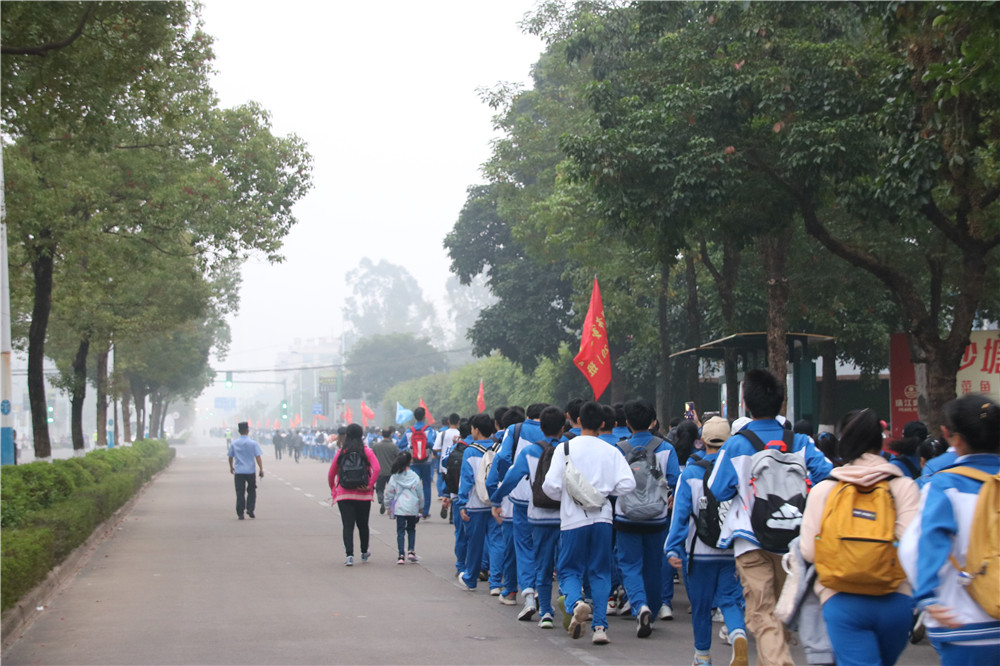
(478,447)
(516,436)
(752,437)
(910,465)
(566,448)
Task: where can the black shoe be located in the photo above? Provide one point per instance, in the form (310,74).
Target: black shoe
(240,516)
(250,513)
(444,511)
(381,509)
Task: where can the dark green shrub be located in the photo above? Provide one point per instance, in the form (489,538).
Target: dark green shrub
(70,522)
(25,561)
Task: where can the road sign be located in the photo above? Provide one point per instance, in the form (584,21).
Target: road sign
(225,402)
(317,408)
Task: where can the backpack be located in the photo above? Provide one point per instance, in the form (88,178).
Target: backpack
(579,487)
(418,443)
(320,438)
(856,543)
(710,513)
(778,479)
(453,467)
(483,471)
(982,557)
(538,496)
(352,470)
(649,499)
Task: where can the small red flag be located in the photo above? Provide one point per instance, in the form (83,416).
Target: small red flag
(428,416)
(366,414)
(481,398)
(348,414)
(594,357)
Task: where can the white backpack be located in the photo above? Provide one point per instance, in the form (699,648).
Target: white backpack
(483,471)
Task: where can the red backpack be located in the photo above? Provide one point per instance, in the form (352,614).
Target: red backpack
(418,444)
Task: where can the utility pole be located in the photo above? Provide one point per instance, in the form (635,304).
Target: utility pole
(7,453)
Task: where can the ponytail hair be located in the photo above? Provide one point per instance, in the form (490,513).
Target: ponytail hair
(860,433)
(976,418)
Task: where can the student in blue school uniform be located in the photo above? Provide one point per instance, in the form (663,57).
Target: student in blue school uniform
(544,521)
(959,628)
(585,536)
(474,512)
(639,542)
(709,572)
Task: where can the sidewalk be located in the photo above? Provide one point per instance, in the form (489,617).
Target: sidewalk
(184,582)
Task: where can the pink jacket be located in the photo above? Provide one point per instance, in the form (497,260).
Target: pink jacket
(340,493)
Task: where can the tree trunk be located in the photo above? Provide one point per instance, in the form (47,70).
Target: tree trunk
(139,397)
(41,266)
(774,249)
(935,379)
(664,383)
(693,337)
(828,394)
(126,417)
(162,426)
(78,394)
(102,398)
(725,284)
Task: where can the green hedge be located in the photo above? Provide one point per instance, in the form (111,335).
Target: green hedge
(49,508)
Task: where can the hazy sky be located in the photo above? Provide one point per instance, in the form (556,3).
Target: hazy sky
(385,96)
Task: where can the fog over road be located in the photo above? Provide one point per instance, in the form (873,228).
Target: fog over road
(182,581)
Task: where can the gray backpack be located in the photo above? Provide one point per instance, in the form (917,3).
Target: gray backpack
(649,499)
(778,480)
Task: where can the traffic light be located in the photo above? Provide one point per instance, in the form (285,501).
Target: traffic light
(284,409)
(229,380)
(51,410)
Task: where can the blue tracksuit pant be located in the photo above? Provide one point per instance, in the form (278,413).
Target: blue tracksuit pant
(586,551)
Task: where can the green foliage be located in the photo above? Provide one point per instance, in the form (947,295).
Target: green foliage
(375,363)
(48,509)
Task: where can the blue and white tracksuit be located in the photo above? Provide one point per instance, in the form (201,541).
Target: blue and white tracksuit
(544,523)
(520,496)
(709,573)
(585,536)
(933,465)
(423,469)
(941,529)
(477,510)
(639,543)
(731,478)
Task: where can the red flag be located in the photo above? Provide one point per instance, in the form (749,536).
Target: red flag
(297,421)
(429,418)
(481,398)
(594,357)
(348,414)
(366,414)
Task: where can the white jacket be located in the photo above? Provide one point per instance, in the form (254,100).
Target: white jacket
(604,466)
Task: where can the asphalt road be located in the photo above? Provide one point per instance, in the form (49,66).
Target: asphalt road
(182,581)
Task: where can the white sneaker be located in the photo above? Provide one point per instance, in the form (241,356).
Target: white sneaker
(349,562)
(626,608)
(666,613)
(546,621)
(509,599)
(494,591)
(644,623)
(724,635)
(529,608)
(600,636)
(580,613)
(612,606)
(717,615)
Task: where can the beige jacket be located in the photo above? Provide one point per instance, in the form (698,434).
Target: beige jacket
(866,470)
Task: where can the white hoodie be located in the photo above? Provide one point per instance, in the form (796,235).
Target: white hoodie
(604,466)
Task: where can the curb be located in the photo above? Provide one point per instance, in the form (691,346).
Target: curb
(16,620)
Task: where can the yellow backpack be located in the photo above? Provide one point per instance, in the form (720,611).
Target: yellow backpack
(981,572)
(856,543)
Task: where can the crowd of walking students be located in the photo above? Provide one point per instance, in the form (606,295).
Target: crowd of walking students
(588,510)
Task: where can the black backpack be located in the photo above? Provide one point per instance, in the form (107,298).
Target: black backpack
(352,470)
(538,496)
(453,467)
(710,513)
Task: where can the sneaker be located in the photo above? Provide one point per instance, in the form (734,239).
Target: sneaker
(250,513)
(509,599)
(349,562)
(411,556)
(444,511)
(600,636)
(644,623)
(546,621)
(381,509)
(741,651)
(918,631)
(529,609)
(366,555)
(484,576)
(401,560)
(702,660)
(625,608)
(494,591)
(580,613)
(561,605)
(724,635)
(462,584)
(717,615)
(239,516)
(666,613)
(612,605)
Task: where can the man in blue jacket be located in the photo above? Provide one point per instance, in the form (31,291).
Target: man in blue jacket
(760,570)
(421,467)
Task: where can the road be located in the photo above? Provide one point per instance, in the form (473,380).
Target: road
(182,581)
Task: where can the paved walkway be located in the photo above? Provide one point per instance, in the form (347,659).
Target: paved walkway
(184,582)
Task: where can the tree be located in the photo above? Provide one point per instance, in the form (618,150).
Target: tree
(387,299)
(377,362)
